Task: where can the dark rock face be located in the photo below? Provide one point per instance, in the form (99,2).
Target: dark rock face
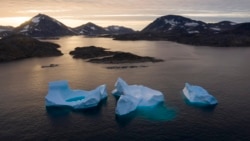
(44,26)
(188,31)
(101,55)
(16,47)
(90,52)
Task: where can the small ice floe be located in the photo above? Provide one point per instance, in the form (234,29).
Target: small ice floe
(197,95)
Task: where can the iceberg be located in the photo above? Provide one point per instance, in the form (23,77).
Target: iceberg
(60,94)
(198,95)
(133,96)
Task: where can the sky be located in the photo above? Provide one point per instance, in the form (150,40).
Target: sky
(135,14)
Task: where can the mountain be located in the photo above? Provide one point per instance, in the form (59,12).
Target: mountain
(222,26)
(114,29)
(44,26)
(16,47)
(6,30)
(184,30)
(175,24)
(91,29)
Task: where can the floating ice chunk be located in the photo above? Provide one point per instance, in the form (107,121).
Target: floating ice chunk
(126,104)
(198,95)
(60,94)
(133,96)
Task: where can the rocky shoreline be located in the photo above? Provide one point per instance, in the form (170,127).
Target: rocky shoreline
(17,47)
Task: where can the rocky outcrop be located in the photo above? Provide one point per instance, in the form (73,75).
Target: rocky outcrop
(90,52)
(102,55)
(16,47)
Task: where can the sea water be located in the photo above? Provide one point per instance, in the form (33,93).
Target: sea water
(223,72)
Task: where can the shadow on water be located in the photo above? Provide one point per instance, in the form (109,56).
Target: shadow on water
(124,120)
(63,111)
(201,106)
(56,111)
(159,113)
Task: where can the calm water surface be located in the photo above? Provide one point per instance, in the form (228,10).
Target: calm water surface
(224,72)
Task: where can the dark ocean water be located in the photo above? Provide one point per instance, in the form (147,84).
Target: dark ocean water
(224,72)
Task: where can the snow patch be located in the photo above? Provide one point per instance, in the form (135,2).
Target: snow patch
(25,29)
(171,22)
(215,28)
(191,24)
(193,32)
(93,28)
(232,23)
(36,20)
(116,28)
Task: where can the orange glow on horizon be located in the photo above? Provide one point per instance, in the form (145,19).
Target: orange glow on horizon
(13,21)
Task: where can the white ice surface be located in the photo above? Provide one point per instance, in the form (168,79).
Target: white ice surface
(60,94)
(133,96)
(198,95)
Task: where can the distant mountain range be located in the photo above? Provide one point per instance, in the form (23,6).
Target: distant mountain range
(44,26)
(184,30)
(171,27)
(92,29)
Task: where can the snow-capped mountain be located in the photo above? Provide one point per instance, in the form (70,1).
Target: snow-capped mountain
(44,26)
(184,30)
(114,29)
(222,26)
(177,24)
(173,24)
(92,29)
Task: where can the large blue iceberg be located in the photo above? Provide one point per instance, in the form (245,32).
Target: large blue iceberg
(198,95)
(60,94)
(133,96)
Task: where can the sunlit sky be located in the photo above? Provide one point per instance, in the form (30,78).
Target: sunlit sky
(130,13)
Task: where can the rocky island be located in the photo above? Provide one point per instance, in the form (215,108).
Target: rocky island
(102,55)
(16,47)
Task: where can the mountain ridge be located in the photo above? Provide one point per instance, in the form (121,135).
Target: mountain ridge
(185,30)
